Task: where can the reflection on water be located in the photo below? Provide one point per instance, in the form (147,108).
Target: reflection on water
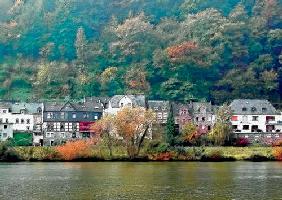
(175,180)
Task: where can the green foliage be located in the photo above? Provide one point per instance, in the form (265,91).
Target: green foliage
(171,133)
(53,49)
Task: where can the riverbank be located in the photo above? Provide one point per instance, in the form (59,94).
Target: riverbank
(203,154)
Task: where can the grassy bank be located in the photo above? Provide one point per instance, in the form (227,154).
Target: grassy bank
(170,154)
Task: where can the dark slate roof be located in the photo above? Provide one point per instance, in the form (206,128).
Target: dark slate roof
(253,107)
(28,107)
(5,105)
(137,100)
(158,105)
(86,106)
(176,107)
(197,105)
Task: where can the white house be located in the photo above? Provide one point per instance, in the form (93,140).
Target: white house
(23,117)
(117,102)
(253,118)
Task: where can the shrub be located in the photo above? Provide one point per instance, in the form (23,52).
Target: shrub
(277,153)
(213,155)
(165,156)
(157,147)
(44,153)
(242,142)
(277,143)
(7,153)
(258,158)
(75,150)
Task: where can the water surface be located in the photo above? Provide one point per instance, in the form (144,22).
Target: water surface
(174,180)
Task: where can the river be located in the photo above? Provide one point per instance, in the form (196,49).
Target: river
(152,180)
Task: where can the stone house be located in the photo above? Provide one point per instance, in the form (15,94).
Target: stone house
(181,114)
(202,115)
(70,121)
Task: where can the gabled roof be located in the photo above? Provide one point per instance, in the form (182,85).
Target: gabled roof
(196,106)
(30,108)
(137,100)
(252,107)
(158,105)
(87,106)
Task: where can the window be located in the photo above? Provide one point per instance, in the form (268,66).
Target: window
(5,126)
(234,127)
(197,119)
(203,119)
(7,120)
(245,127)
(234,118)
(22,121)
(73,115)
(74,135)
(4,111)
(95,117)
(62,127)
(28,121)
(1,120)
(4,135)
(39,110)
(17,121)
(49,115)
(50,126)
(121,105)
(62,115)
(264,109)
(74,125)
(62,135)
(0,135)
(85,115)
(244,109)
(254,109)
(255,118)
(209,128)
(28,127)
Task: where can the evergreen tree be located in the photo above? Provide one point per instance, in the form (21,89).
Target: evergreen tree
(171,132)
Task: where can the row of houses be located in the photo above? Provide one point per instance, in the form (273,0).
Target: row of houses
(52,123)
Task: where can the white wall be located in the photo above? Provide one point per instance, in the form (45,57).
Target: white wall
(25,126)
(125,101)
(248,120)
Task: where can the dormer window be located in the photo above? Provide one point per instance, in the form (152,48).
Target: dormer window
(39,110)
(254,109)
(121,105)
(244,109)
(264,109)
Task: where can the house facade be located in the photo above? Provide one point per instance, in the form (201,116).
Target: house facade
(117,102)
(255,119)
(181,114)
(24,118)
(203,116)
(161,110)
(67,121)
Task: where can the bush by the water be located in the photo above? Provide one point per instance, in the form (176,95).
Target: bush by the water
(7,153)
(277,153)
(242,142)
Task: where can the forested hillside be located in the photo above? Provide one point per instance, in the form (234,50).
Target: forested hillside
(215,50)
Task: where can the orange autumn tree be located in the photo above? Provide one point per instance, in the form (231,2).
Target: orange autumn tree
(133,125)
(178,51)
(76,149)
(105,127)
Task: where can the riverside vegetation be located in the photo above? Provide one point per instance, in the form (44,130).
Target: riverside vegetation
(125,136)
